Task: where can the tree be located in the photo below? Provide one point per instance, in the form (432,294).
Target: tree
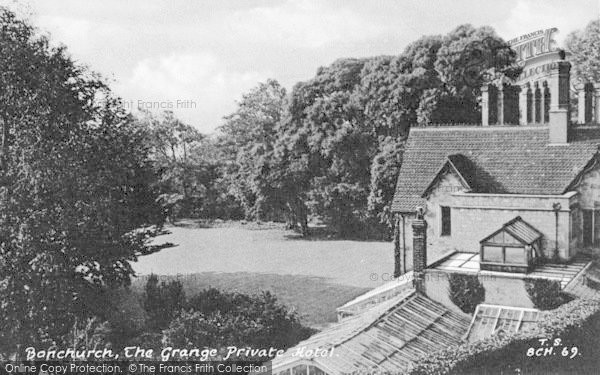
(325,148)
(384,175)
(179,158)
(437,79)
(584,46)
(76,196)
(247,140)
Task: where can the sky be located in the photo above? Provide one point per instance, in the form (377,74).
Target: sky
(197,58)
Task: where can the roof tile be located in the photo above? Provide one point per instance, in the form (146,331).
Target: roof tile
(507,159)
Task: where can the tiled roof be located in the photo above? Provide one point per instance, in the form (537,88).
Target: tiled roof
(388,337)
(509,159)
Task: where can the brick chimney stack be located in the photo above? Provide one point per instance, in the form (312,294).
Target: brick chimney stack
(419,250)
(559,85)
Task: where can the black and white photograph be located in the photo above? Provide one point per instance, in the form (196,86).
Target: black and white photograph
(299,187)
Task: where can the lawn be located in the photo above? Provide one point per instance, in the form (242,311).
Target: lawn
(311,276)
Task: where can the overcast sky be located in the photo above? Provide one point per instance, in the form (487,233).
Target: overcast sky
(208,53)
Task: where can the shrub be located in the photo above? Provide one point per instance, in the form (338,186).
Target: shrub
(545,294)
(163,302)
(465,291)
(254,320)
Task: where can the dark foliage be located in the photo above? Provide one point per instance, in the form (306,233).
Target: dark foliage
(575,324)
(162,302)
(258,321)
(545,294)
(76,187)
(465,291)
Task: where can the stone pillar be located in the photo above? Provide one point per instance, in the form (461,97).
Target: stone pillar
(500,104)
(597,103)
(419,227)
(485,102)
(581,101)
(523,104)
(558,83)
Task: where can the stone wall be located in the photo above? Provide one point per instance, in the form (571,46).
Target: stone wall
(499,290)
(475,216)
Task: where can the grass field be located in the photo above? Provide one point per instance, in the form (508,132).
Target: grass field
(314,299)
(311,276)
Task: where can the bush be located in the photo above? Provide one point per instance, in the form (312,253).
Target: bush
(163,302)
(465,291)
(576,323)
(252,320)
(545,294)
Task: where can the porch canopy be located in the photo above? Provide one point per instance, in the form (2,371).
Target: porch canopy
(512,248)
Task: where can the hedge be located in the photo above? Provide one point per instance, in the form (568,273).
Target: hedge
(545,294)
(576,323)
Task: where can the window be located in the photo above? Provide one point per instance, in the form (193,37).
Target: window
(575,224)
(493,254)
(446,221)
(515,255)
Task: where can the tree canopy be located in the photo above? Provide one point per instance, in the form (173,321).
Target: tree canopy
(584,46)
(338,145)
(75,189)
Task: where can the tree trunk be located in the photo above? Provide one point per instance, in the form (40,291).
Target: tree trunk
(299,216)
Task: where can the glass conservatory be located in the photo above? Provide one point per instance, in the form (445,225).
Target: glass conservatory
(516,247)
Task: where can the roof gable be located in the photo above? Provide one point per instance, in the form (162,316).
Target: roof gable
(509,160)
(516,229)
(451,167)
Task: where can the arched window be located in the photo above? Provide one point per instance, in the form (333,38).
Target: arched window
(546,102)
(589,99)
(529,106)
(538,104)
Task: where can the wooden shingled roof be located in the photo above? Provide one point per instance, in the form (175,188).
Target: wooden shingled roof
(388,337)
(511,160)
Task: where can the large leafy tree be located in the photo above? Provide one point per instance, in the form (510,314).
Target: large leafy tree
(584,46)
(325,147)
(247,141)
(75,190)
(437,79)
(179,154)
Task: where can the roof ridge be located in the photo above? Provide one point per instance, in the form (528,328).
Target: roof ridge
(479,128)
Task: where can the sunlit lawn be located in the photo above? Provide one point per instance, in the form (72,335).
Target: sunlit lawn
(313,277)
